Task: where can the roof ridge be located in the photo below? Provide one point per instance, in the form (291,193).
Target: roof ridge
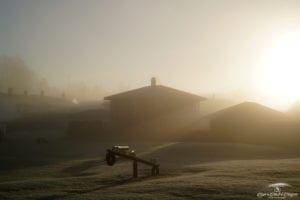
(144,91)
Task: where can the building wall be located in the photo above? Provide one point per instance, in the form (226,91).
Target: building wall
(124,112)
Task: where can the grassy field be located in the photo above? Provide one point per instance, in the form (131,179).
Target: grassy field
(66,169)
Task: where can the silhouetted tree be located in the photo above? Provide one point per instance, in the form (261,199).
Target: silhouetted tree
(15,74)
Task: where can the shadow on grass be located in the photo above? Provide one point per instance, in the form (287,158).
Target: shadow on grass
(78,170)
(51,196)
(108,183)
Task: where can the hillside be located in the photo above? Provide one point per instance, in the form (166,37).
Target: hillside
(188,171)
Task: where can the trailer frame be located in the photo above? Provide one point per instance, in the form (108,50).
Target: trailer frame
(111,159)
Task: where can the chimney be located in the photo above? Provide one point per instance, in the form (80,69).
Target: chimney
(153,81)
(10,91)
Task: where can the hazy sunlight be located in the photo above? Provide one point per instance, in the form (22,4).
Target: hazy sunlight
(281,70)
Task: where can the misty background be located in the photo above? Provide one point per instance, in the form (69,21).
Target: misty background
(95,48)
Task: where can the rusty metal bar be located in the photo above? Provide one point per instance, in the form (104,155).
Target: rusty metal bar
(111,160)
(133,158)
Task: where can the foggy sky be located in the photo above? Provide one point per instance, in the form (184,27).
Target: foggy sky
(203,47)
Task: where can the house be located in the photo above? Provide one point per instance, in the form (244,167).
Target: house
(247,122)
(153,106)
(14,106)
(245,116)
(254,123)
(23,112)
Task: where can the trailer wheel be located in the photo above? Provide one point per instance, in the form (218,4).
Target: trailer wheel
(110,159)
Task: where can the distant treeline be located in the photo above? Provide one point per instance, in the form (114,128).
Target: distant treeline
(16,75)
(19,78)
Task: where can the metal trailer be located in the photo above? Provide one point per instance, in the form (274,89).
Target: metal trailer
(123,152)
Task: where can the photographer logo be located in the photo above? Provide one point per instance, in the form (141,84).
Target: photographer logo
(277,192)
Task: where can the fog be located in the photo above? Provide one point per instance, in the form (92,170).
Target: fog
(102,47)
(18,78)
(149,99)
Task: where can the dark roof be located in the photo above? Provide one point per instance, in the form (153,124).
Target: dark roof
(155,91)
(248,111)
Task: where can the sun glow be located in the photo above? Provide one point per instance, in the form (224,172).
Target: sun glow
(281,70)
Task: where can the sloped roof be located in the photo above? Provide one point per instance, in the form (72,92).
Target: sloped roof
(155,91)
(248,111)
